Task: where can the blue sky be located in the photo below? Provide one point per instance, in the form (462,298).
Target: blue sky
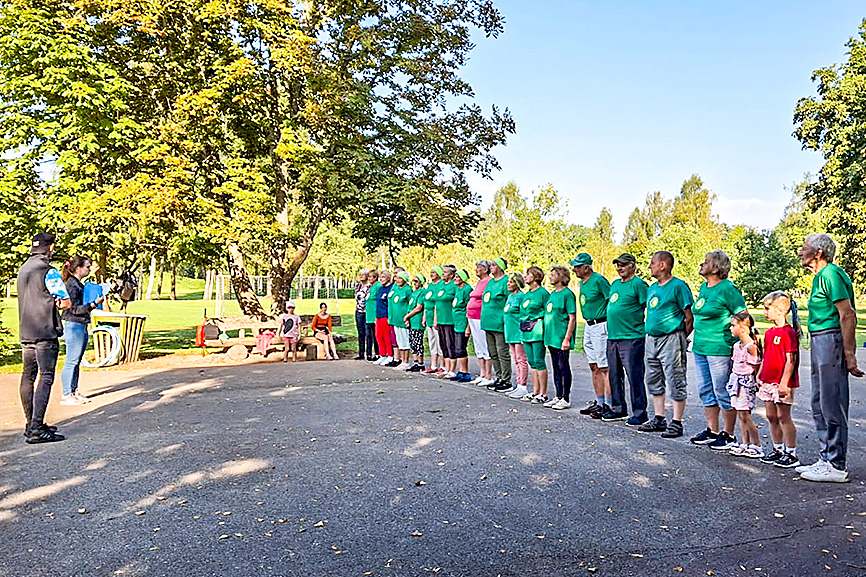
(617,99)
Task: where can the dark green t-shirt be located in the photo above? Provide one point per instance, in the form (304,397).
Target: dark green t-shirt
(511,310)
(559,305)
(625,309)
(370,311)
(713,310)
(430,301)
(492,304)
(398,305)
(593,297)
(461,299)
(415,299)
(665,306)
(444,298)
(532,308)
(830,285)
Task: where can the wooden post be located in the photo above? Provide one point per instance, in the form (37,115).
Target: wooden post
(149,294)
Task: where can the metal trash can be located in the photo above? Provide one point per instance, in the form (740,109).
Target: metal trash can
(130,328)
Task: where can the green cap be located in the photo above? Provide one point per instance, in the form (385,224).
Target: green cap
(438,270)
(500,262)
(403,275)
(463,275)
(421,277)
(581,260)
(625,258)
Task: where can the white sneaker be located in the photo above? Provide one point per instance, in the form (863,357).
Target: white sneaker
(561,405)
(551,402)
(403,367)
(485,382)
(80,397)
(477,380)
(70,400)
(518,392)
(449,375)
(527,397)
(817,465)
(385,360)
(827,474)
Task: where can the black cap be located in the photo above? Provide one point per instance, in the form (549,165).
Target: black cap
(41,242)
(625,258)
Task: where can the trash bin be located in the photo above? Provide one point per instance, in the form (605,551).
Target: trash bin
(130,328)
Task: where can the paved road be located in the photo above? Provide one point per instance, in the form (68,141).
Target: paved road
(345,469)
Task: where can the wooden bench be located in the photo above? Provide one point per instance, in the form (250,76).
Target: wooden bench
(248,328)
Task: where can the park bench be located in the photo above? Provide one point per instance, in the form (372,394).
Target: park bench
(247,329)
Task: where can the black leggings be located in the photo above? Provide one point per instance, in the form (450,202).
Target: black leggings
(561,371)
(460,342)
(446,340)
(372,343)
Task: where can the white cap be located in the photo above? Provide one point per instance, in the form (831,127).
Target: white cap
(290,304)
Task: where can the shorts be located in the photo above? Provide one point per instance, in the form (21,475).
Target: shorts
(535,352)
(460,343)
(402,335)
(433,341)
(666,364)
(742,389)
(289,340)
(712,373)
(479,339)
(595,344)
(416,342)
(769,393)
(446,340)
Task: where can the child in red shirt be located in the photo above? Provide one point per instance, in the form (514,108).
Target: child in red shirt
(778,377)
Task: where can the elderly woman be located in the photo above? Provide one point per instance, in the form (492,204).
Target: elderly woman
(444,322)
(832,322)
(493,324)
(370,313)
(362,291)
(513,335)
(718,300)
(383,330)
(473,313)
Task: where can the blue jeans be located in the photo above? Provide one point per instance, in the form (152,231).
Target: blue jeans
(75,335)
(830,396)
(713,373)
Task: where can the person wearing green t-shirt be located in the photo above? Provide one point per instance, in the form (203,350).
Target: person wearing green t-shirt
(429,301)
(444,319)
(461,326)
(513,335)
(532,327)
(832,325)
(626,339)
(370,313)
(414,321)
(594,291)
(398,307)
(668,321)
(712,346)
(493,325)
(560,319)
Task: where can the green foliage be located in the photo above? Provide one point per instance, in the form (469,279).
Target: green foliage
(764,264)
(800,220)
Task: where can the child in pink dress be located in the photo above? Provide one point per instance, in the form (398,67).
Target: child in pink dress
(290,330)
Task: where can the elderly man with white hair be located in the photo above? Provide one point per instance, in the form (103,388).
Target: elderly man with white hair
(832,323)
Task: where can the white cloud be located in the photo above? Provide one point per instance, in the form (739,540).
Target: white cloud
(756,212)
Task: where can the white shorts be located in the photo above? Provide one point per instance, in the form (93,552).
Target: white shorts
(595,344)
(433,341)
(402,335)
(479,339)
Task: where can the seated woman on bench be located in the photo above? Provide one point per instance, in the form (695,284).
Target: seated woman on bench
(321,327)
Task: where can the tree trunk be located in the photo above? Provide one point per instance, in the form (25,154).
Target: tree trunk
(208,285)
(149,293)
(246,296)
(159,277)
(173,295)
(284,269)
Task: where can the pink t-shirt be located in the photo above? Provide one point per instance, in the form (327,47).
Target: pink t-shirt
(744,363)
(473,309)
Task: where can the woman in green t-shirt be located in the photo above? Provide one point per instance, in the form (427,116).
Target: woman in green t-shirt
(414,320)
(461,326)
(532,328)
(444,307)
(370,315)
(560,318)
(513,335)
(398,307)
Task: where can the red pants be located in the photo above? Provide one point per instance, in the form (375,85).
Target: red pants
(383,337)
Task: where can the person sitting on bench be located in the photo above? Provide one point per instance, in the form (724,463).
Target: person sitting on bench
(322,329)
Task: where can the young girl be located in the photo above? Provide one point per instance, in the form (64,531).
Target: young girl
(778,377)
(75,321)
(290,328)
(323,331)
(742,386)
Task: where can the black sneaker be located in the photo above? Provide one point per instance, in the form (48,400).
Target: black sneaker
(673,431)
(705,437)
(655,425)
(43,436)
(373,359)
(635,422)
(611,415)
(496,383)
(394,363)
(503,386)
(590,407)
(359,358)
(723,442)
(599,410)
(42,427)
(416,368)
(772,457)
(787,461)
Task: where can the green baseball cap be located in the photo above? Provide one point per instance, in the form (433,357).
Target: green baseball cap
(625,258)
(580,260)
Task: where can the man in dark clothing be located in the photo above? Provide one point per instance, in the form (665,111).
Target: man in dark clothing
(41,292)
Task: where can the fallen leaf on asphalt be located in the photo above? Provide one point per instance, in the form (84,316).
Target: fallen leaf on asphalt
(727,488)
(540,536)
(638,555)
(420,483)
(592,569)
(160,497)
(778,515)
(224,536)
(483,477)
(320,524)
(140,513)
(82,511)
(154,549)
(678,569)
(416,533)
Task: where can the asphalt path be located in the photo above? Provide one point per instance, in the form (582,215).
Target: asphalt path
(346,469)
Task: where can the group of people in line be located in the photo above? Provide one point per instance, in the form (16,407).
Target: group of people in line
(633,332)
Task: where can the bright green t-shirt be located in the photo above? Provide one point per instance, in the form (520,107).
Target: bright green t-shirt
(593,297)
(429,301)
(665,305)
(444,299)
(713,310)
(625,309)
(560,304)
(511,312)
(398,304)
(370,311)
(461,299)
(532,308)
(415,299)
(830,285)
(492,304)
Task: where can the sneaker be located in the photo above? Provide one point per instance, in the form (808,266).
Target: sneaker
(503,387)
(439,371)
(772,457)
(493,384)
(673,431)
(43,436)
(456,378)
(449,375)
(417,368)
(71,400)
(372,359)
(485,382)
(819,464)
(724,442)
(611,415)
(404,367)
(598,411)
(635,422)
(655,425)
(429,371)
(42,427)
(539,399)
(561,405)
(705,437)
(466,378)
(80,397)
(359,358)
(590,407)
(786,461)
(753,452)
(527,398)
(827,474)
(394,364)
(551,402)
(739,449)
(476,380)
(383,361)
(517,393)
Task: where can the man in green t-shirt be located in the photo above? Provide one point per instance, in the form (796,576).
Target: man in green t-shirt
(668,322)
(594,291)
(832,325)
(626,340)
(493,324)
